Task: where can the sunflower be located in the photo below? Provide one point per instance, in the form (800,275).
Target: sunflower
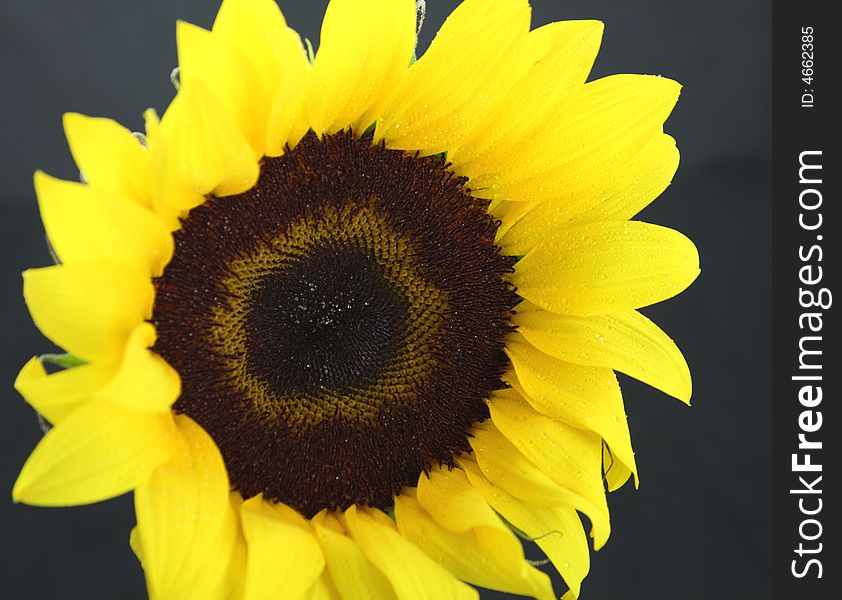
(347,325)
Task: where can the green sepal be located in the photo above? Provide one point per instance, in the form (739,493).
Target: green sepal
(65,361)
(369,131)
(311,54)
(420,15)
(538,563)
(175,79)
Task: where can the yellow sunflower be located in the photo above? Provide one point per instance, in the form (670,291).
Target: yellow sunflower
(348,326)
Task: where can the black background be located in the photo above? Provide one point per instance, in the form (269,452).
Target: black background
(699,526)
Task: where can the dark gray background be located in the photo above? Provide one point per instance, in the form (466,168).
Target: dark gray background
(699,526)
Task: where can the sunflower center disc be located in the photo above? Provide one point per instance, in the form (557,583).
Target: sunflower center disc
(338,327)
(330,321)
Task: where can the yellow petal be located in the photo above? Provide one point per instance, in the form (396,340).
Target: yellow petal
(258,30)
(508,213)
(185,520)
(284,558)
(56,396)
(200,151)
(152,124)
(557,531)
(234,582)
(648,174)
(98,452)
(603,267)
(594,133)
(322,589)
(562,56)
(585,397)
(287,119)
(506,467)
(413,575)
(229,76)
(485,552)
(109,156)
(85,224)
(454,504)
(616,473)
(89,310)
(161,174)
(167,189)
(618,193)
(473,60)
(366,47)
(625,341)
(255,29)
(571,457)
(353,576)
(134,543)
(144,380)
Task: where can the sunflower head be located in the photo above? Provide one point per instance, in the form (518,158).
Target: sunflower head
(348,326)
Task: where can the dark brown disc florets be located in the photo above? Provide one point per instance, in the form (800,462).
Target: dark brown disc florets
(338,327)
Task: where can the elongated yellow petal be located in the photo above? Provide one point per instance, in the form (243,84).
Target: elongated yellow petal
(465,555)
(571,457)
(169,192)
(508,213)
(85,224)
(454,504)
(109,156)
(625,341)
(322,589)
(366,47)
(449,91)
(89,310)
(98,452)
(604,267)
(258,30)
(594,133)
(647,176)
(288,121)
(144,380)
(255,28)
(414,576)
(56,396)
(557,531)
(485,553)
(562,56)
(353,576)
(234,582)
(182,512)
(227,74)
(618,193)
(284,558)
(506,467)
(585,397)
(616,473)
(200,150)
(134,543)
